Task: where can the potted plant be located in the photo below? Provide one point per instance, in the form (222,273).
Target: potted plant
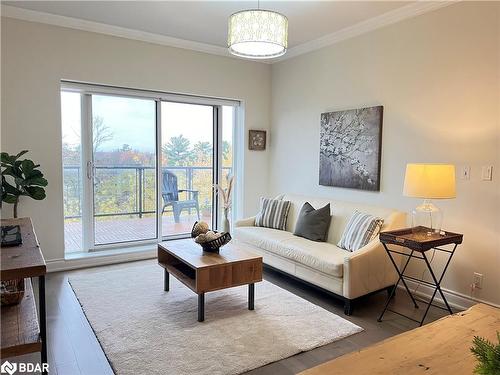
(21,178)
(487,355)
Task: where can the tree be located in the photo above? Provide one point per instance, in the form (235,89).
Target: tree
(177,151)
(125,148)
(202,151)
(227,153)
(101,133)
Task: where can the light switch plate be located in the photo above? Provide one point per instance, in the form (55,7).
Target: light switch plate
(465,173)
(487,173)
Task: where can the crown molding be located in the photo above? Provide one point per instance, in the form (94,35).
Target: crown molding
(394,16)
(118,31)
(363,27)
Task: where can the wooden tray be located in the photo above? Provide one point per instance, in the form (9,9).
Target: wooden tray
(418,240)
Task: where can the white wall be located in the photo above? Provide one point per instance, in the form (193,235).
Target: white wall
(35,57)
(437,76)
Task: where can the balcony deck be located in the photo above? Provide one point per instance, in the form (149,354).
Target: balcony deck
(123,229)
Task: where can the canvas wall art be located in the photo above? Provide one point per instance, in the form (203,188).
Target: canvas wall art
(257,140)
(350,148)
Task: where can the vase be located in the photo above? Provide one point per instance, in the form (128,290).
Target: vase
(226,226)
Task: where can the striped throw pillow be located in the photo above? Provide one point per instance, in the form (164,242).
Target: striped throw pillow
(273,213)
(360,230)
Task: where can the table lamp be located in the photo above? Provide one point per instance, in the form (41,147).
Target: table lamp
(429,181)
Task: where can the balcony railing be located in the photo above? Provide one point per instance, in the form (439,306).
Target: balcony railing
(129,189)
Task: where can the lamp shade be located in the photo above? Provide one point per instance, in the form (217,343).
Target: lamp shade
(430,181)
(257,34)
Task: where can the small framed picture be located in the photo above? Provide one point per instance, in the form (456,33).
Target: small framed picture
(257,140)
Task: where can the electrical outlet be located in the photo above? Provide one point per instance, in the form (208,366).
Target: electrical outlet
(465,174)
(487,173)
(478,280)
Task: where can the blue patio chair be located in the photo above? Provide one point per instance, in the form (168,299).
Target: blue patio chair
(170,195)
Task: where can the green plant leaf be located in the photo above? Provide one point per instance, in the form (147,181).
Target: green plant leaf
(10,189)
(21,153)
(7,159)
(36,181)
(27,167)
(20,181)
(9,199)
(36,192)
(8,171)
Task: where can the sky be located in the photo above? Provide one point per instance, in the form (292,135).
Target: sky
(132,121)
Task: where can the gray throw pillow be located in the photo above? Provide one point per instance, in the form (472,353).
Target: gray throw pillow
(313,224)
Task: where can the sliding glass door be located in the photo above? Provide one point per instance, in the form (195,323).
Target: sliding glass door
(140,168)
(124,169)
(188,172)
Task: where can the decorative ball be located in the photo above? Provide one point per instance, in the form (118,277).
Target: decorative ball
(210,235)
(201,238)
(200,228)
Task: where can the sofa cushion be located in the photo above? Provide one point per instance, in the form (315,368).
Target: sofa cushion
(321,256)
(273,213)
(341,211)
(313,224)
(360,230)
(265,238)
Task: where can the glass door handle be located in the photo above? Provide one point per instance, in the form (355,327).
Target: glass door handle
(90,170)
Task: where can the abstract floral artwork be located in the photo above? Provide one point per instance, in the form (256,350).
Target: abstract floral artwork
(257,140)
(350,148)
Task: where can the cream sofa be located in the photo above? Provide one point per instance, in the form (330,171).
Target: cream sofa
(348,275)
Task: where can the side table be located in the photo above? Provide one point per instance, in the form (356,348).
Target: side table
(418,242)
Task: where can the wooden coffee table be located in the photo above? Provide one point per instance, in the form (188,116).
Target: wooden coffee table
(204,272)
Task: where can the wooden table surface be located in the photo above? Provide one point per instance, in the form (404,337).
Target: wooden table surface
(441,347)
(18,262)
(192,254)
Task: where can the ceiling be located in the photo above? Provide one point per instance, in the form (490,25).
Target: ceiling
(206,21)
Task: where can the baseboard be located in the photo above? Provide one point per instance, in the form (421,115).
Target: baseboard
(457,300)
(56,265)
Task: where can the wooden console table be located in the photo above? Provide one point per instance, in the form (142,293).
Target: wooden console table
(21,331)
(440,347)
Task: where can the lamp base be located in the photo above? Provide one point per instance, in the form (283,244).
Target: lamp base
(427,215)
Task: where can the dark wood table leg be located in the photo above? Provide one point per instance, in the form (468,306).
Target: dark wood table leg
(251,296)
(400,278)
(201,307)
(166,281)
(43,319)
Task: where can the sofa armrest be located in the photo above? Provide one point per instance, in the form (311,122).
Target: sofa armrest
(369,269)
(248,222)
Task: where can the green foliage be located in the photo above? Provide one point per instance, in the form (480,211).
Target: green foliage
(177,151)
(487,354)
(116,190)
(21,177)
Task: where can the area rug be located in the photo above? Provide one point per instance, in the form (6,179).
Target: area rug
(144,330)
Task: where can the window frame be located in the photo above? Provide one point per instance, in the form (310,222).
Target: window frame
(86,91)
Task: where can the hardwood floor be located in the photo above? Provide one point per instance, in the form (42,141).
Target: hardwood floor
(74,349)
